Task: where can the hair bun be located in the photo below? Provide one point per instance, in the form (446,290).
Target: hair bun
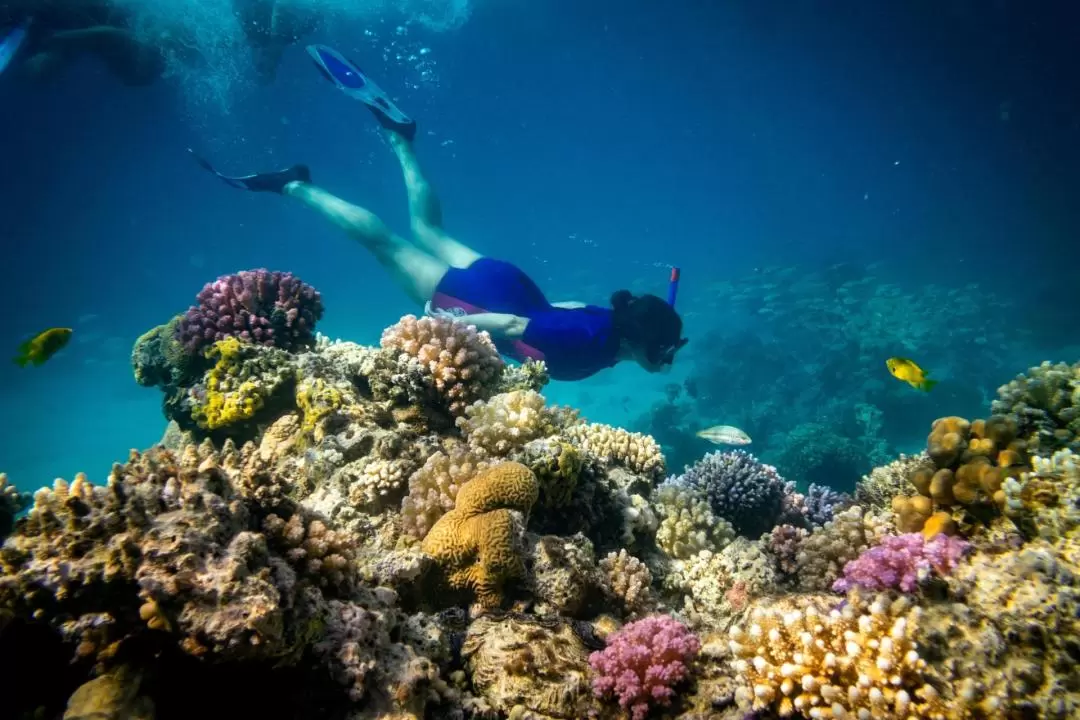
(621,299)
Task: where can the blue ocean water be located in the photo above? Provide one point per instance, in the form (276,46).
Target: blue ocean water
(839,184)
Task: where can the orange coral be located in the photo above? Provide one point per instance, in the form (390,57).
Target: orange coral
(477,544)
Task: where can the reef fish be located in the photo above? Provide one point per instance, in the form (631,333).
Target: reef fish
(724,435)
(42,346)
(909,371)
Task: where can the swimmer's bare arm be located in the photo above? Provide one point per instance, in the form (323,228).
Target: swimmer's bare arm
(498,324)
(568,305)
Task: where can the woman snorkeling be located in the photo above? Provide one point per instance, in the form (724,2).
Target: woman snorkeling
(448,278)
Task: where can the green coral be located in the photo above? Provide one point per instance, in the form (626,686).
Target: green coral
(239,385)
(316,400)
(557,465)
(159,359)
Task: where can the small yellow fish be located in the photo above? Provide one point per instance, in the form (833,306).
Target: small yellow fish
(724,435)
(42,346)
(910,372)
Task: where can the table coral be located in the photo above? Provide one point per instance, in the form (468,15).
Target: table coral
(902,562)
(461,364)
(1045,404)
(644,662)
(478,543)
(259,306)
(859,660)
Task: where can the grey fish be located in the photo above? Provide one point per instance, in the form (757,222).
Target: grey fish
(724,435)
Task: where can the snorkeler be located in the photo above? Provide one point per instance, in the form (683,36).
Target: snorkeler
(448,278)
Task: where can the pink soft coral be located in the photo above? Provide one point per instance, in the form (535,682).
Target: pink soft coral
(642,662)
(901,562)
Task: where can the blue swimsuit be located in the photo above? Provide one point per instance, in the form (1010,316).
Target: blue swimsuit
(574,343)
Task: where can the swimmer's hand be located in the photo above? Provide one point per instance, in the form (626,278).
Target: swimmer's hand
(443,312)
(497,324)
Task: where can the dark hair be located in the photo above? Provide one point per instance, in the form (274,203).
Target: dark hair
(649,323)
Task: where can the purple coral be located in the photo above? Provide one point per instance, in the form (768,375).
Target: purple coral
(822,503)
(741,489)
(258,306)
(643,661)
(902,561)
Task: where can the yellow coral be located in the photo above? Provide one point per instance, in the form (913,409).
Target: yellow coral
(476,544)
(857,661)
(557,466)
(316,400)
(226,402)
(614,446)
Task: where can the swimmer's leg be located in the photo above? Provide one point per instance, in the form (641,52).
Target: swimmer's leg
(425,210)
(417,272)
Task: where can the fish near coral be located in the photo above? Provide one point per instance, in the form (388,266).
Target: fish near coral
(910,372)
(42,346)
(724,435)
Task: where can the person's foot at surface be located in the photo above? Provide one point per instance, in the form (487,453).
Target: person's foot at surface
(352,81)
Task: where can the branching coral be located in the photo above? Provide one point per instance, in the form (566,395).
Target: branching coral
(821,504)
(1045,405)
(643,662)
(857,661)
(617,447)
(901,562)
(739,488)
(628,580)
(461,364)
(478,544)
(529,375)
(877,490)
(824,553)
(12,502)
(688,525)
(508,421)
(258,306)
(434,487)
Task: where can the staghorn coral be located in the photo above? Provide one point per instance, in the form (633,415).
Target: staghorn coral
(269,308)
(159,359)
(505,423)
(635,452)
(459,363)
(687,525)
(434,487)
(241,383)
(12,502)
(477,545)
(1045,405)
(902,562)
(860,660)
(745,492)
(628,581)
(643,662)
(824,553)
(524,667)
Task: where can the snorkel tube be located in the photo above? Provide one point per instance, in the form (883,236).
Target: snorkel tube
(673,285)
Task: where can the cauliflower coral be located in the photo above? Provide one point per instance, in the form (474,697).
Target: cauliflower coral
(643,662)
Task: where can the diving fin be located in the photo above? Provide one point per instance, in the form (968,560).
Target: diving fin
(13,40)
(352,81)
(259,182)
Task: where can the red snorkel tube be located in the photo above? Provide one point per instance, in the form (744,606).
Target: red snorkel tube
(673,286)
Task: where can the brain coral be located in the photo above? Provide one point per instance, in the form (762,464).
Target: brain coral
(478,544)
(461,364)
(258,306)
(742,490)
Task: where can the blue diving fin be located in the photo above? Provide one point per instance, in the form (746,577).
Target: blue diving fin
(352,81)
(11,43)
(259,182)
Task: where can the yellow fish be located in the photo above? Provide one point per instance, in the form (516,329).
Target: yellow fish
(910,372)
(42,346)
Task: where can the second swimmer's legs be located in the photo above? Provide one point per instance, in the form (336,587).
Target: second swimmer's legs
(416,271)
(425,210)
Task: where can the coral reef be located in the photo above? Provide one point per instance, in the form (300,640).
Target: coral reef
(508,421)
(688,525)
(274,309)
(1045,405)
(745,492)
(821,504)
(638,453)
(242,381)
(159,359)
(902,562)
(643,662)
(12,502)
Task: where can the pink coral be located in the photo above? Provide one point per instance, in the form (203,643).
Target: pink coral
(269,308)
(902,561)
(460,362)
(643,661)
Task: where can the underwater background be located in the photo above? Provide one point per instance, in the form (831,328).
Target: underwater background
(840,183)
